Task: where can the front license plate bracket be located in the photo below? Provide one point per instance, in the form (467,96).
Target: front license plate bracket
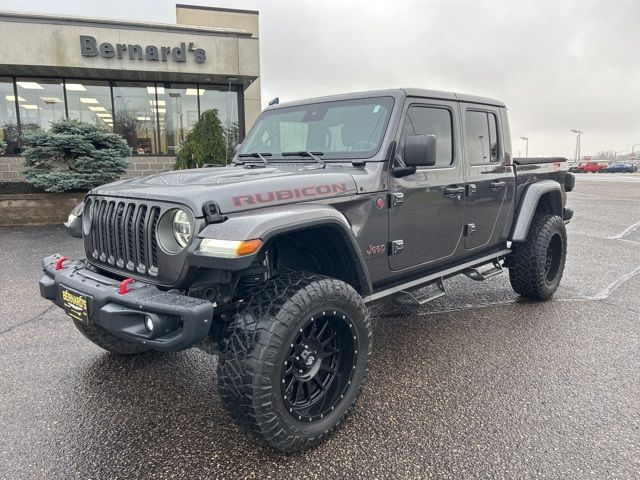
(76,304)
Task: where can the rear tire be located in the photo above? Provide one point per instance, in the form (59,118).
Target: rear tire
(102,338)
(294,359)
(537,264)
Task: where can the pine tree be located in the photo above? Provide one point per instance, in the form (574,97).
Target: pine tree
(205,144)
(74,155)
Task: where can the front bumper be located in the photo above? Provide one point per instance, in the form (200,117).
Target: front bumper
(184,321)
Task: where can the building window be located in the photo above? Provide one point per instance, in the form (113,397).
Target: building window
(8,117)
(90,101)
(41,101)
(225,101)
(178,114)
(431,121)
(136,109)
(482,138)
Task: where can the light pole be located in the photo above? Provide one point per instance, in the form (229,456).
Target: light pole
(526,148)
(578,135)
(633,151)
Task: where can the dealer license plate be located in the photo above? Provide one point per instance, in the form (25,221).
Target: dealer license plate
(76,305)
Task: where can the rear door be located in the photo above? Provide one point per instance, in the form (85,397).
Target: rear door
(426,217)
(486,175)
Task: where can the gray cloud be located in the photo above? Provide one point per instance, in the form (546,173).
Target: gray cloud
(557,64)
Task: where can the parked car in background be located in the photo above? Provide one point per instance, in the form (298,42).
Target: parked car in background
(589,167)
(621,168)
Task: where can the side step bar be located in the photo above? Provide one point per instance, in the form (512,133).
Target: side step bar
(405,288)
(410,298)
(479,276)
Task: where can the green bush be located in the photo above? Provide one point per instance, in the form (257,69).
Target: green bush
(74,155)
(205,144)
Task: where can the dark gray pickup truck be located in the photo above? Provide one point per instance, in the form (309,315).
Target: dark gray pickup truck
(330,204)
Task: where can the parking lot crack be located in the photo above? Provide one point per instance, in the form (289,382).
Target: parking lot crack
(616,284)
(32,319)
(625,232)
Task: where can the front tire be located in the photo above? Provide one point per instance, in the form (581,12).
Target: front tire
(537,264)
(294,359)
(102,338)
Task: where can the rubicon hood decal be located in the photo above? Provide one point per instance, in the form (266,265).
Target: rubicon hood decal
(290,194)
(237,189)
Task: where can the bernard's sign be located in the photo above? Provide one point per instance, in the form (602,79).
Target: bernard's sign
(89,47)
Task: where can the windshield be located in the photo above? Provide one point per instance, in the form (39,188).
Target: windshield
(335,130)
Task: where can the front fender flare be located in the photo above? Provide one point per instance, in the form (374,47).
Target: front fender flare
(266,224)
(528,204)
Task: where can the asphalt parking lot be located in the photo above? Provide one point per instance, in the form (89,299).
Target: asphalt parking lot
(477,384)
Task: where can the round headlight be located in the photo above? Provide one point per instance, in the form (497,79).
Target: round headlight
(87,216)
(181,227)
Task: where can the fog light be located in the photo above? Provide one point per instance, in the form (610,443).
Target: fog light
(148,323)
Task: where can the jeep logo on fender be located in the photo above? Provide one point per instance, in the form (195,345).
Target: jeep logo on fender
(289,194)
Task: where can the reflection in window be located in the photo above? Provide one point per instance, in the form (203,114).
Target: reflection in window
(431,121)
(41,101)
(482,139)
(90,101)
(179,117)
(8,120)
(226,102)
(135,109)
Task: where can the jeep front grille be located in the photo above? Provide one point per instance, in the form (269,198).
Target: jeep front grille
(123,234)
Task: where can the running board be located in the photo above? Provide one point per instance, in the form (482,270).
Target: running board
(410,298)
(424,281)
(478,275)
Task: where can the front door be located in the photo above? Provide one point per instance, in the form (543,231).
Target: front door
(426,215)
(486,174)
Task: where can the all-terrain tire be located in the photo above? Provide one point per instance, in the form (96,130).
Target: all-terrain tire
(536,265)
(109,342)
(259,344)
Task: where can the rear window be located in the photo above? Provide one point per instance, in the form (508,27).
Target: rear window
(482,137)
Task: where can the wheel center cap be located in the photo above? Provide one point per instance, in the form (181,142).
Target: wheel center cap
(308,357)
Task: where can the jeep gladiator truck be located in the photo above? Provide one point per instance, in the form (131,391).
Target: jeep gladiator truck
(330,204)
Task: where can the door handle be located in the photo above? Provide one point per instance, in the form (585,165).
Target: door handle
(454,192)
(497,185)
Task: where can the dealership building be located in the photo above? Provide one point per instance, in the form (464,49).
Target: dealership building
(148,82)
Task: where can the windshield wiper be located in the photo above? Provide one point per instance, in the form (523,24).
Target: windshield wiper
(261,156)
(304,153)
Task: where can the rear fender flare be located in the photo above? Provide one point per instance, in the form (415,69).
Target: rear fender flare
(529,203)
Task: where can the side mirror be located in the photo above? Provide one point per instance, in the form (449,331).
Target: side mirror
(420,150)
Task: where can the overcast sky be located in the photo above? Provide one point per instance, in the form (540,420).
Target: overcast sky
(557,64)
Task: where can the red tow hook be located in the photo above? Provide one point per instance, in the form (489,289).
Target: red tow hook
(60,261)
(124,286)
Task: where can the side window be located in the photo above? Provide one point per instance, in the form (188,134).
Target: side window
(482,137)
(430,121)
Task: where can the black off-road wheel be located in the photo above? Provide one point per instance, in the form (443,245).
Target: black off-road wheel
(536,265)
(294,359)
(107,341)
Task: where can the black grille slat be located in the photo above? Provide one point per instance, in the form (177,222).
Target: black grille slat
(140,241)
(129,237)
(102,232)
(120,260)
(110,230)
(152,241)
(95,243)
